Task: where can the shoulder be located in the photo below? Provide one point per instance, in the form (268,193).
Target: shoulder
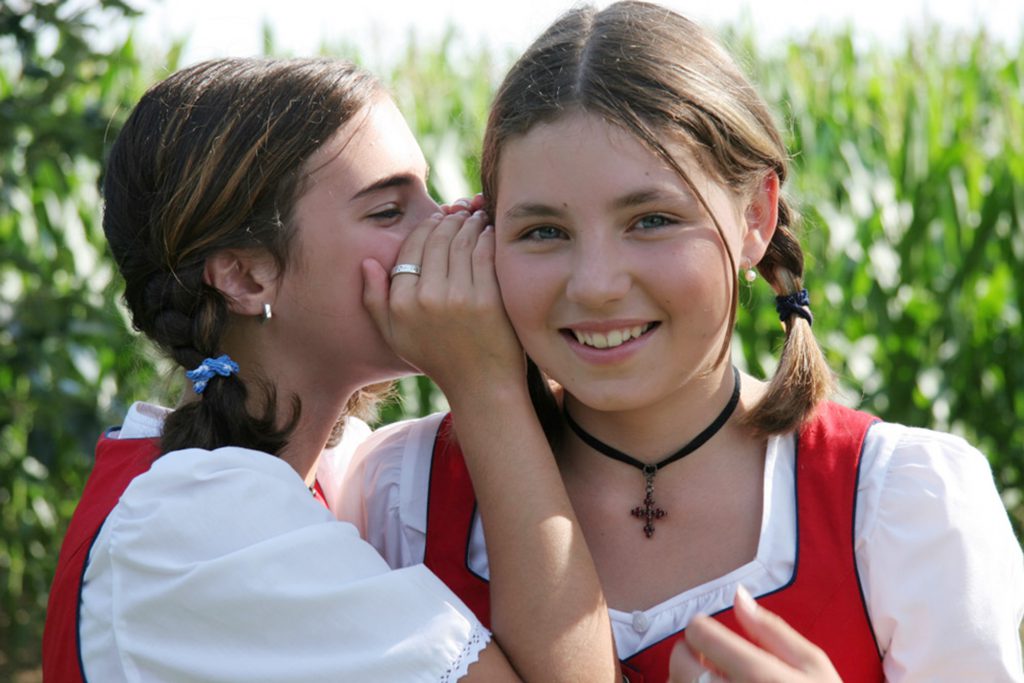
(926,460)
(143,421)
(238,497)
(935,547)
(385,489)
(400,447)
(933,490)
(211,551)
(413,435)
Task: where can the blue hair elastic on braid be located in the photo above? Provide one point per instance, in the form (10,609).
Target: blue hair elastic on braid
(210,368)
(798,303)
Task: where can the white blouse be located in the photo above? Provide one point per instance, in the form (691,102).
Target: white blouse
(942,573)
(220,566)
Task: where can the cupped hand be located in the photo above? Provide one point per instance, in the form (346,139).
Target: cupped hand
(776,653)
(448,321)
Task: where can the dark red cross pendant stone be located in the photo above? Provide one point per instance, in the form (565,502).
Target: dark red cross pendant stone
(649,511)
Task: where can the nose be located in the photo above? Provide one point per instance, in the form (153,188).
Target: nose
(599,275)
(421,209)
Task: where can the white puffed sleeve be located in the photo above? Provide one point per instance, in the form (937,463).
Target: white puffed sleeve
(219,566)
(942,570)
(385,490)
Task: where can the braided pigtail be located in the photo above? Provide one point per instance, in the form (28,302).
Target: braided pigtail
(189,326)
(803,378)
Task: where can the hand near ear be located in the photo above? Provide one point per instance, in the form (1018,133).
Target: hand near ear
(448,321)
(777,654)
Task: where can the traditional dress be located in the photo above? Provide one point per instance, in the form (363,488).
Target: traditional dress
(892,551)
(220,566)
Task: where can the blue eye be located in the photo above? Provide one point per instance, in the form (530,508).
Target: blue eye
(653,222)
(544,232)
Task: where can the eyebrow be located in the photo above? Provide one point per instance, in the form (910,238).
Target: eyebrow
(539,210)
(397,180)
(533,210)
(643,197)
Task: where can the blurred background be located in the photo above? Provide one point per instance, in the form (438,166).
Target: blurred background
(905,120)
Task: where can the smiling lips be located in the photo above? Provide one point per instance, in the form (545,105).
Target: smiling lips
(611,338)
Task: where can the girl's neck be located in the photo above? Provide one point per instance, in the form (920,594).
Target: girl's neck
(322,407)
(323,399)
(308,441)
(651,432)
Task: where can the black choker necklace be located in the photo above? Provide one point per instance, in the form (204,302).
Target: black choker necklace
(648,511)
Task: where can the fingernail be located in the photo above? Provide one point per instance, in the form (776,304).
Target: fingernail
(745,600)
(462,202)
(437,214)
(478,214)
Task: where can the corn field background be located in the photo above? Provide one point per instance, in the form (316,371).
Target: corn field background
(908,167)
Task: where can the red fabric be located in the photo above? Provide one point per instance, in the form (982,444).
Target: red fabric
(823,600)
(450,508)
(118,461)
(318,494)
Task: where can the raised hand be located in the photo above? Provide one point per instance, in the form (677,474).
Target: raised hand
(712,652)
(447,320)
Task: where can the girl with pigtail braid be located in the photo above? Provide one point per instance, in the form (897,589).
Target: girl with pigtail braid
(635,179)
(254,208)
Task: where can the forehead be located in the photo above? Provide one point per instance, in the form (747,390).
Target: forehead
(376,142)
(582,151)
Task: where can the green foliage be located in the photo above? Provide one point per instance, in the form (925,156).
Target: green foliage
(909,167)
(67,357)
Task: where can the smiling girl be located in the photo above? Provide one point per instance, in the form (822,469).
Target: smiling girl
(634,174)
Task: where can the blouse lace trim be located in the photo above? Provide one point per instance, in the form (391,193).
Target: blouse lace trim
(479,637)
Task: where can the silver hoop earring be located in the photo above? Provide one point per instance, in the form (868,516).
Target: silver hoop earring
(267,313)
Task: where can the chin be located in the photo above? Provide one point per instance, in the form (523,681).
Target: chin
(382,370)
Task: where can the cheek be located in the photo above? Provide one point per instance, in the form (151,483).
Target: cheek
(521,288)
(382,246)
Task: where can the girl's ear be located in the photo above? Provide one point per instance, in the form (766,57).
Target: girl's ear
(246,277)
(761,216)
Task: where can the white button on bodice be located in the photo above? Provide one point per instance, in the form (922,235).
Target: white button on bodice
(640,622)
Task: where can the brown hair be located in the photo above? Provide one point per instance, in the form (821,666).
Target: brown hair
(658,75)
(213,158)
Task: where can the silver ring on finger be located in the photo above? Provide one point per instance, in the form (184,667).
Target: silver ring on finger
(407,268)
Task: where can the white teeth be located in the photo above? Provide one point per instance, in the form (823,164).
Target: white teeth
(600,340)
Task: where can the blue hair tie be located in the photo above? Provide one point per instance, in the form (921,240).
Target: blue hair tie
(208,369)
(798,303)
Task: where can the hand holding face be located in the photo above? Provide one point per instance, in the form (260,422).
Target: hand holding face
(778,652)
(448,320)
